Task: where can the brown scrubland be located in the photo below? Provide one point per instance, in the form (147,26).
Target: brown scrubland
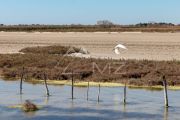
(54,62)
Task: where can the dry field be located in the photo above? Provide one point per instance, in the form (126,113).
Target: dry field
(153,46)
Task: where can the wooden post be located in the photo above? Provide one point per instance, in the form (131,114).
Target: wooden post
(124,98)
(72,92)
(99,93)
(165,92)
(22,76)
(88,91)
(45,81)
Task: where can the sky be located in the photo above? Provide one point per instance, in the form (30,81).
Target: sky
(88,11)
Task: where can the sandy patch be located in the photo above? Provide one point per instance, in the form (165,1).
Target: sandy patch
(153,46)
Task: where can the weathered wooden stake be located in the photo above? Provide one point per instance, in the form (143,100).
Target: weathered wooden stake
(124,98)
(88,91)
(72,92)
(22,77)
(99,93)
(45,81)
(165,92)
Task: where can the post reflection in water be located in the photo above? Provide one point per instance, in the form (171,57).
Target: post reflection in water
(72,104)
(166,113)
(46,101)
(124,108)
(21,99)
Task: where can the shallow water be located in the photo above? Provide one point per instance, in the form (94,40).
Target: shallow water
(141,104)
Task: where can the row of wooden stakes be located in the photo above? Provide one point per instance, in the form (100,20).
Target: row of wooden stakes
(99,90)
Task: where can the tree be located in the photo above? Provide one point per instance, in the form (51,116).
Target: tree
(104,23)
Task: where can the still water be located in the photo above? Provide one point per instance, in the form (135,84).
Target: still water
(141,104)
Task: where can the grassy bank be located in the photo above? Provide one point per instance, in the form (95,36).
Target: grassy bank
(56,65)
(103,84)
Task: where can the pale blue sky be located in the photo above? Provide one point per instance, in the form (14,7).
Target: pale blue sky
(88,11)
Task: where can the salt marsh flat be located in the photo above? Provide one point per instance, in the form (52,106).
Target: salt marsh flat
(151,46)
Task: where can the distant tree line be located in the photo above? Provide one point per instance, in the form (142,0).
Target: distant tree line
(103,25)
(104,22)
(154,24)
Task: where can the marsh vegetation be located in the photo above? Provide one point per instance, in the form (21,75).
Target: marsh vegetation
(53,61)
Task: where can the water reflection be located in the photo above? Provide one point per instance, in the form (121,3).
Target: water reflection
(46,101)
(72,104)
(166,113)
(124,108)
(146,88)
(142,104)
(30,114)
(21,98)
